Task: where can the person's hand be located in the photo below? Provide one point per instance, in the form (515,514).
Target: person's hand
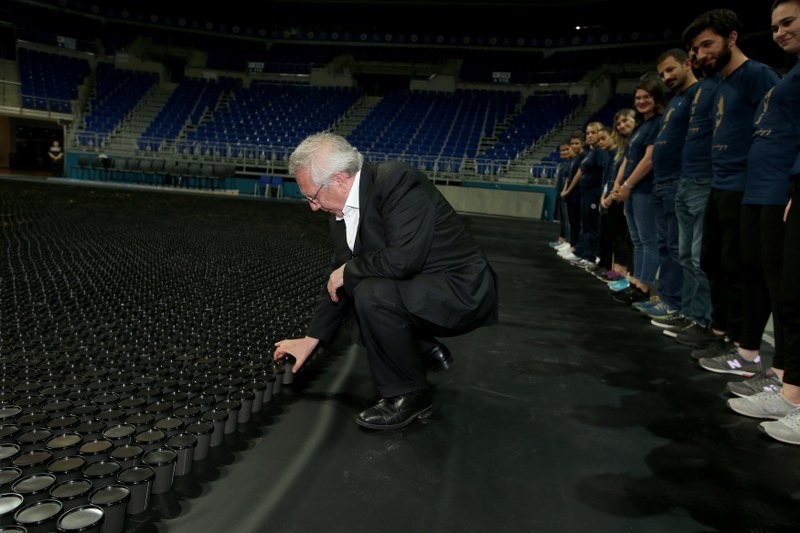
(621,194)
(786,211)
(299,348)
(605,201)
(335,281)
(564,194)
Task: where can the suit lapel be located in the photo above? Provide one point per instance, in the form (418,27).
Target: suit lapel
(367,178)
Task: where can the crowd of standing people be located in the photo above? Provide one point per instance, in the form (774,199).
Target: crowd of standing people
(687,207)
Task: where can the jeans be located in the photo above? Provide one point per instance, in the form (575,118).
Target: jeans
(690,207)
(670,273)
(641,216)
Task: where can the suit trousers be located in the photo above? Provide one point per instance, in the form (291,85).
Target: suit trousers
(395,339)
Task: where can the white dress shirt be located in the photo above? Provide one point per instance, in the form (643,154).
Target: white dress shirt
(350,212)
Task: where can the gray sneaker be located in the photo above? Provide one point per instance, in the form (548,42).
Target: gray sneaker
(722,346)
(732,363)
(763,405)
(766,381)
(786,429)
(671,321)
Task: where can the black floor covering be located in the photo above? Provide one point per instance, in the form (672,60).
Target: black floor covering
(571,414)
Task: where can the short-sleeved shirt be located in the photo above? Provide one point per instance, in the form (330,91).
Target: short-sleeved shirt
(575,163)
(696,155)
(668,148)
(735,105)
(643,136)
(774,147)
(592,168)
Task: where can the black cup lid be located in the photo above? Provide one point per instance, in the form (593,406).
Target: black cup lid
(8,412)
(119,431)
(70,489)
(160,457)
(126,451)
(8,430)
(66,464)
(34,435)
(8,450)
(201,427)
(101,469)
(135,475)
(109,495)
(150,436)
(80,518)
(9,474)
(38,513)
(32,458)
(168,423)
(67,440)
(10,502)
(95,446)
(34,483)
(181,441)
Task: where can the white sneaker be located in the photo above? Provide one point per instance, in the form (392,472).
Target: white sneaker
(763,405)
(569,256)
(786,429)
(563,246)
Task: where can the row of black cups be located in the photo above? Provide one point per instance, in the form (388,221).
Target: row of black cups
(76,476)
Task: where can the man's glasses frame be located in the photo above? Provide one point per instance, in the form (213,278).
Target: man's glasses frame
(312,199)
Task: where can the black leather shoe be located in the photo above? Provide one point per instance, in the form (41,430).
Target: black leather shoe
(439,357)
(397,412)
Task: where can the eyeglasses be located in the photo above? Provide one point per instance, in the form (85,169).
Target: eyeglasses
(312,199)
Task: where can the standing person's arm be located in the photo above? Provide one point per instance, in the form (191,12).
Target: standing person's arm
(644,166)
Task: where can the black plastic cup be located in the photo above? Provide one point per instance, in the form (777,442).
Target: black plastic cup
(142,421)
(72,493)
(63,424)
(246,398)
(184,445)
(8,433)
(83,519)
(39,517)
(90,429)
(233,407)
(8,475)
(120,434)
(102,473)
(218,417)
(33,438)
(34,487)
(9,412)
(171,425)
(162,461)
(114,500)
(63,445)
(10,503)
(258,387)
(67,467)
(33,461)
(188,413)
(139,479)
(150,439)
(202,429)
(8,451)
(127,455)
(95,450)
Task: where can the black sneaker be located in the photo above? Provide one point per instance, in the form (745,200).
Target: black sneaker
(630,295)
(676,330)
(671,321)
(721,346)
(697,337)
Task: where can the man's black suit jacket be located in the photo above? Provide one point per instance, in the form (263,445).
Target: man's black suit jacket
(409,232)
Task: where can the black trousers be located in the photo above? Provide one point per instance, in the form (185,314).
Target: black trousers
(721,260)
(395,340)
(789,306)
(762,260)
(615,238)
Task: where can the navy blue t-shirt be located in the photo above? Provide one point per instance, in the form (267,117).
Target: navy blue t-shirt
(697,148)
(668,148)
(774,147)
(562,174)
(643,136)
(592,168)
(735,105)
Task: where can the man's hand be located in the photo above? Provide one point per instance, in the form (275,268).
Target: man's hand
(335,281)
(300,348)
